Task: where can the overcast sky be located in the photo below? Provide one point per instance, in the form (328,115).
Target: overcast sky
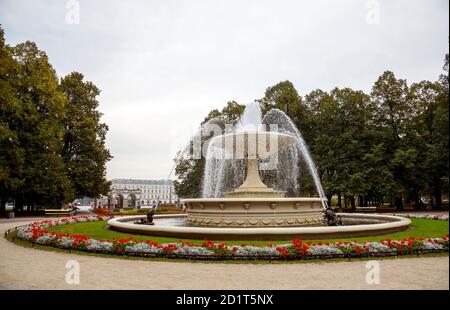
(163,65)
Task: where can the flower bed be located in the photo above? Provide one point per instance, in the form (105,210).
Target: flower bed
(37,233)
(101,211)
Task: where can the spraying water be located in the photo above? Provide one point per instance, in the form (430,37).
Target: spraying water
(222,174)
(285,124)
(250,119)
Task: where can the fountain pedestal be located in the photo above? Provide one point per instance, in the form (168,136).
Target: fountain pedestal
(253,185)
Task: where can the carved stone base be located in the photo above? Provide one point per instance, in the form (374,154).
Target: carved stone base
(255,212)
(255,221)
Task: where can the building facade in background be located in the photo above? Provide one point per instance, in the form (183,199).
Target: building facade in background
(135,192)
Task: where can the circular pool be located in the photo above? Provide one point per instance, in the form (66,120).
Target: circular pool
(176,226)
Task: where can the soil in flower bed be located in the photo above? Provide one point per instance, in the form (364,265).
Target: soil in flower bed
(420,228)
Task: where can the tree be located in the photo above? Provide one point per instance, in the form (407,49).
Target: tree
(339,140)
(39,131)
(189,174)
(441,127)
(391,109)
(323,142)
(84,151)
(350,125)
(52,141)
(281,96)
(231,112)
(12,153)
(421,136)
(438,152)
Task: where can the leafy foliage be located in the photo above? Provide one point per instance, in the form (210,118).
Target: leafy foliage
(52,141)
(84,150)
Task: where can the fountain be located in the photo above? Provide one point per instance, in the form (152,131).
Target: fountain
(237,204)
(253,203)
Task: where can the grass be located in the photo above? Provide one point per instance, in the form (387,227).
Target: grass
(99,230)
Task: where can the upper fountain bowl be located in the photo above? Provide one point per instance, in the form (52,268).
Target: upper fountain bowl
(252,144)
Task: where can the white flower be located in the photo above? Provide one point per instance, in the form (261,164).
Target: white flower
(324,250)
(45,239)
(377,247)
(187,250)
(250,251)
(24,234)
(65,242)
(98,246)
(143,248)
(432,246)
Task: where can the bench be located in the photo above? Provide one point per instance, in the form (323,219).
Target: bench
(65,212)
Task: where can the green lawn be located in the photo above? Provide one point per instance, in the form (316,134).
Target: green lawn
(99,230)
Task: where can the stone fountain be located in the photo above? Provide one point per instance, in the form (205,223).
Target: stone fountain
(237,204)
(253,204)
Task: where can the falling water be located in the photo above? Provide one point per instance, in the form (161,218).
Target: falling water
(285,125)
(222,174)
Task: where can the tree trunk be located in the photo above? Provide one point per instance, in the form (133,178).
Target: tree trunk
(437,195)
(360,200)
(417,205)
(2,207)
(352,202)
(345,201)
(339,200)
(18,205)
(399,203)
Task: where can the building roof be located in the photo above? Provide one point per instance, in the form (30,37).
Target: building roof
(140,181)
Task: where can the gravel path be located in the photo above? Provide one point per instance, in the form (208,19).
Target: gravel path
(24,268)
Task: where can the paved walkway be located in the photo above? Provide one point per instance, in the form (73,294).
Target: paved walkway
(24,268)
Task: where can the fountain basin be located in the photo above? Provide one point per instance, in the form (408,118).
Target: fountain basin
(254,212)
(355,225)
(252,144)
